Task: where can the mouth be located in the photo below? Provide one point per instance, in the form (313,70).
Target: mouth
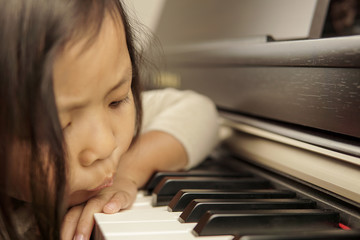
(108,182)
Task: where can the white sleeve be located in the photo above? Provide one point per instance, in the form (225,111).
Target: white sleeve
(188,116)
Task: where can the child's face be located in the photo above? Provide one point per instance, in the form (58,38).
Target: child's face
(96,109)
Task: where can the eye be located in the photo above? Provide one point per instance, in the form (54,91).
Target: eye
(116,104)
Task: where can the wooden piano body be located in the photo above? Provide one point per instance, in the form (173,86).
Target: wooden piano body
(293,108)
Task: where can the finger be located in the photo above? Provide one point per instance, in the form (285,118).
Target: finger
(86,220)
(120,200)
(70,222)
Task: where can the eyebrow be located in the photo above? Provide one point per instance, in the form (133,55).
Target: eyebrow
(119,84)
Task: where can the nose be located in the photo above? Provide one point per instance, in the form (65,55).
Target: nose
(99,141)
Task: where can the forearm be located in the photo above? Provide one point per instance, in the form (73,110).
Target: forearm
(153,151)
(179,129)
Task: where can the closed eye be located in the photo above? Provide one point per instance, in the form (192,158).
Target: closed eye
(116,104)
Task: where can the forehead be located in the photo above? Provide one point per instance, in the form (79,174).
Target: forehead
(93,29)
(94,63)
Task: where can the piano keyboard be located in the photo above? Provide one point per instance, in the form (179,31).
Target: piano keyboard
(220,205)
(145,222)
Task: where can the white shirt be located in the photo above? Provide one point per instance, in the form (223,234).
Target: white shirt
(188,116)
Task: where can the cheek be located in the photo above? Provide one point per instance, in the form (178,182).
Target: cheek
(121,122)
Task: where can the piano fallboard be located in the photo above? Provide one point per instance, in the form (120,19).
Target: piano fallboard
(313,83)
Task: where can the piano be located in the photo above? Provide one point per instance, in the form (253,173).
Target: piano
(289,163)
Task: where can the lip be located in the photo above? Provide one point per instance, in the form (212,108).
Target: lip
(108,182)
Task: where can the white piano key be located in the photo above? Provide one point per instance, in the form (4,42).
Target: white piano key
(141,197)
(145,227)
(148,215)
(168,236)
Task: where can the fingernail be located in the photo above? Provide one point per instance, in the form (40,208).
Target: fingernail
(79,237)
(111,207)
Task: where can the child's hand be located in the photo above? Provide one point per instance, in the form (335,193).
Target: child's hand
(79,220)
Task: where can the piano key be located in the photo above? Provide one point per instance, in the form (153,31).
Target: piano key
(313,235)
(198,207)
(167,236)
(198,173)
(185,196)
(264,221)
(148,227)
(169,186)
(138,215)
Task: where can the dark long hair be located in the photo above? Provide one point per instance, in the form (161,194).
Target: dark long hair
(32,32)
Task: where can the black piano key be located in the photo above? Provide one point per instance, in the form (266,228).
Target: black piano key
(198,207)
(169,186)
(195,173)
(185,196)
(313,235)
(250,222)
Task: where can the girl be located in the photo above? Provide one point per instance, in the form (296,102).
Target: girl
(71,117)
